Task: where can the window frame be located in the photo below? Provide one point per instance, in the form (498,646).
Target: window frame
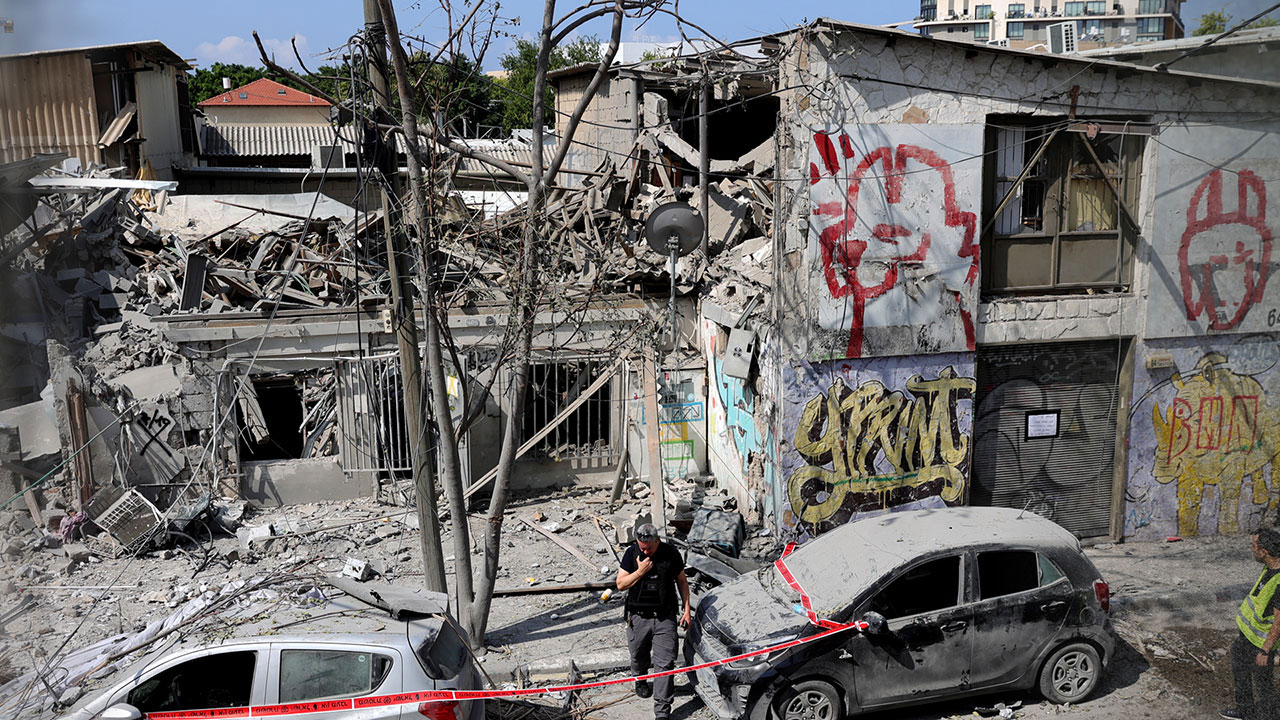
(982,31)
(1015,30)
(256,677)
(1053,172)
(1040,559)
(962,586)
(375,682)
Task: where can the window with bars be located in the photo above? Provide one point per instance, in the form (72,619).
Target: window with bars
(1061,197)
(587,431)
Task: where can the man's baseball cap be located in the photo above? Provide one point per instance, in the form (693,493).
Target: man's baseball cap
(647,532)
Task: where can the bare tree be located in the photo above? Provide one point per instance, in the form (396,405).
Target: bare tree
(423,136)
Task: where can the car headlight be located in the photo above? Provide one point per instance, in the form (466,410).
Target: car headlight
(752,661)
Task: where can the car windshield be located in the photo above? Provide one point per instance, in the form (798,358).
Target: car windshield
(834,568)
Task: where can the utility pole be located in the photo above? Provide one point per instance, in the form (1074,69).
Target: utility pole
(404,319)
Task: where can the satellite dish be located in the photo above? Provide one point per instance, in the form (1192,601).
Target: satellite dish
(674,227)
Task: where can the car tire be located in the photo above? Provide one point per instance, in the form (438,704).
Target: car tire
(1070,674)
(808,700)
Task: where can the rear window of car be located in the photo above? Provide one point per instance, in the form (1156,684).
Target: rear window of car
(319,674)
(444,655)
(1007,572)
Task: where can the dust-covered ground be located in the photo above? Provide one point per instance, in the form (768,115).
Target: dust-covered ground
(1174,602)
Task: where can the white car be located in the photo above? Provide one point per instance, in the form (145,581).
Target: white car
(344,662)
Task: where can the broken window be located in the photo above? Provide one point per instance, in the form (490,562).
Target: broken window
(586,430)
(276,434)
(932,586)
(1062,191)
(214,681)
(1006,572)
(320,674)
(446,655)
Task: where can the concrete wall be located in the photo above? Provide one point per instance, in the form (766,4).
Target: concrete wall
(608,128)
(1199,285)
(268,114)
(1205,435)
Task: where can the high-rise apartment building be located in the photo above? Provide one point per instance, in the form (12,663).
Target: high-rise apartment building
(1096,23)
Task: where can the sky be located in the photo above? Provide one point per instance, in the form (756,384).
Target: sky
(221,31)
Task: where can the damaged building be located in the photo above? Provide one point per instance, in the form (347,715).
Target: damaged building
(998,278)
(932,274)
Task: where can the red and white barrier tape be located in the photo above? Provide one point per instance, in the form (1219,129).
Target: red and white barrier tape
(828,628)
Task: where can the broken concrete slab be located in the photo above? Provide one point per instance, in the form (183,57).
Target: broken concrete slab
(36,430)
(275,483)
(149,383)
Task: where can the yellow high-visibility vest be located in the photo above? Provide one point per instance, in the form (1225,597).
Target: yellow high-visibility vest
(1252,618)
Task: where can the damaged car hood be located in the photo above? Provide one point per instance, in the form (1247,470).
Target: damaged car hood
(748,610)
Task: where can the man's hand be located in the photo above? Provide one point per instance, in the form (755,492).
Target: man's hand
(1263,659)
(644,566)
(684,619)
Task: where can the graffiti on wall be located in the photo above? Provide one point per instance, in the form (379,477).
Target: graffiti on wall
(1217,430)
(894,234)
(1204,436)
(865,447)
(1224,258)
(1211,235)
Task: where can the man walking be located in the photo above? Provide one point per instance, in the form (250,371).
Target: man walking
(1254,651)
(650,572)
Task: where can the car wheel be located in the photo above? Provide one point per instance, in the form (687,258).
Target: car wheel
(1070,674)
(808,700)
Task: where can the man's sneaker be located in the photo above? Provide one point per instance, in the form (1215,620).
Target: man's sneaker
(644,690)
(1231,714)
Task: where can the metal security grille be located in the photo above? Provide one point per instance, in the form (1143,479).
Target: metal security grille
(587,433)
(372,441)
(1045,431)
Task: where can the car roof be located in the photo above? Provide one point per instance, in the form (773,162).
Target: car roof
(841,562)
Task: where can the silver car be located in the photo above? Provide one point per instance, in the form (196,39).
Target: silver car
(344,661)
(955,602)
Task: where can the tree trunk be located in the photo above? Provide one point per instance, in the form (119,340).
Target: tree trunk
(446,441)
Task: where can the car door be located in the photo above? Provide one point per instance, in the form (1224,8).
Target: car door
(1023,600)
(925,648)
(207,679)
(328,675)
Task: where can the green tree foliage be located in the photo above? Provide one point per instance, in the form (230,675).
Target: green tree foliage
(1212,23)
(521,63)
(456,89)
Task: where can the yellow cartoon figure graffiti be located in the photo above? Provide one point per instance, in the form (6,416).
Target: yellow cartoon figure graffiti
(1217,430)
(915,441)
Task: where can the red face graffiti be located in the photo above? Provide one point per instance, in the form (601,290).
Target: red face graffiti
(895,227)
(1225,255)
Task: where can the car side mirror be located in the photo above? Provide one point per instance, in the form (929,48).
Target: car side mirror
(876,624)
(121,711)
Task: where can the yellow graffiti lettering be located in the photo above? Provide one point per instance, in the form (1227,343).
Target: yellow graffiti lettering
(876,440)
(1216,430)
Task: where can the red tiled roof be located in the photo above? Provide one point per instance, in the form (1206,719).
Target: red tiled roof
(265,92)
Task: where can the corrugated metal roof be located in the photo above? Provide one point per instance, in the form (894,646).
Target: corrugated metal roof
(48,107)
(265,91)
(261,140)
(153,48)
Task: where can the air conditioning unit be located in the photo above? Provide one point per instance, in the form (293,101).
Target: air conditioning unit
(1062,37)
(330,156)
(1002,42)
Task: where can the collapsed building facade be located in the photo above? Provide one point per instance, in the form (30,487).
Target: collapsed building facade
(932,274)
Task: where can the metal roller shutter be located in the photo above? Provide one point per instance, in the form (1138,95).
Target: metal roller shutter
(1022,458)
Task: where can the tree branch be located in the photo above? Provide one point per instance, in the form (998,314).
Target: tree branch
(271,64)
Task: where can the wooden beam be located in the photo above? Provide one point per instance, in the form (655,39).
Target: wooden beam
(563,544)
